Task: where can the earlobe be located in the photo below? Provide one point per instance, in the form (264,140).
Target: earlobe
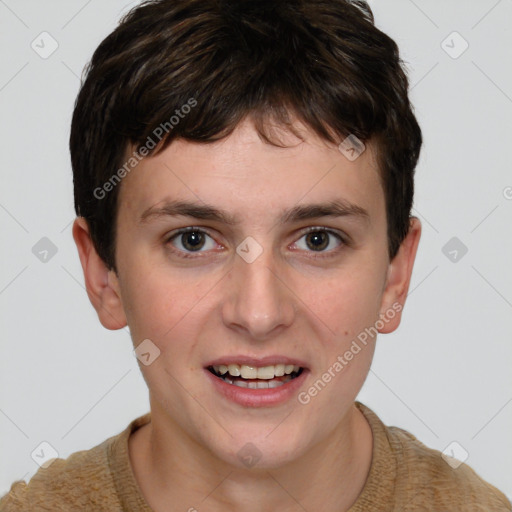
(399,278)
(100,284)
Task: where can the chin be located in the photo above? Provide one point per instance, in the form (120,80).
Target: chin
(253,450)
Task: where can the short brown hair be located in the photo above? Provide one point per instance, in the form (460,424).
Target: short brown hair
(320,61)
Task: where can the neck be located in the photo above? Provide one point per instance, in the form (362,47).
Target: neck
(171,467)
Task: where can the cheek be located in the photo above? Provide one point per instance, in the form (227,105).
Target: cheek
(170,309)
(345,303)
(349,307)
(155,305)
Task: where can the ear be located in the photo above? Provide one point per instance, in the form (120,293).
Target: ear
(101,283)
(399,278)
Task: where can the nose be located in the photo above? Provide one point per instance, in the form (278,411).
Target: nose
(259,303)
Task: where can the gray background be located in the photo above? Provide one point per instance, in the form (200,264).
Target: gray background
(444,375)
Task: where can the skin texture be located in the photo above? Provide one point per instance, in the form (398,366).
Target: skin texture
(292,301)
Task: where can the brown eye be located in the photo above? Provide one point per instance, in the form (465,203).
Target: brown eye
(192,240)
(320,240)
(317,240)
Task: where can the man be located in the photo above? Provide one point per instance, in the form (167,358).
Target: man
(243,177)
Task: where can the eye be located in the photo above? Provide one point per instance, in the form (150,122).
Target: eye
(192,240)
(320,240)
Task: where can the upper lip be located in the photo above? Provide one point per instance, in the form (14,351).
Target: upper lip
(256,361)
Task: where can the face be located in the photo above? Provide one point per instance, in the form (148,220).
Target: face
(245,254)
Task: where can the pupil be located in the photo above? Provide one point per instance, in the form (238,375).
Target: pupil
(192,240)
(317,240)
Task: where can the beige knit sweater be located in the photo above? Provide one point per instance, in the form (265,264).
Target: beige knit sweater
(404,476)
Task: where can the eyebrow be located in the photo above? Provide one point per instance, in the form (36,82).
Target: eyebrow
(172,208)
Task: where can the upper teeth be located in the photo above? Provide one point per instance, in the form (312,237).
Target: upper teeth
(252,372)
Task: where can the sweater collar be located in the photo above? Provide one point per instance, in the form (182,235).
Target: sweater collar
(379,486)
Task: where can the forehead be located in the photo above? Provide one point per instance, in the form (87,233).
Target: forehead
(247,176)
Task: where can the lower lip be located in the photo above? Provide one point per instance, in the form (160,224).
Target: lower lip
(258,397)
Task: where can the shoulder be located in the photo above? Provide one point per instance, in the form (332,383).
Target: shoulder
(81,480)
(409,476)
(445,481)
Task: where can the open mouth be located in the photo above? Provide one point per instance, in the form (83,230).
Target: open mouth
(252,377)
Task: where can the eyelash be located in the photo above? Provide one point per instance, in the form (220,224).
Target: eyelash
(313,229)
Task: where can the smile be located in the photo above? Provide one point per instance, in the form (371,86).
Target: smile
(252,377)
(250,384)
